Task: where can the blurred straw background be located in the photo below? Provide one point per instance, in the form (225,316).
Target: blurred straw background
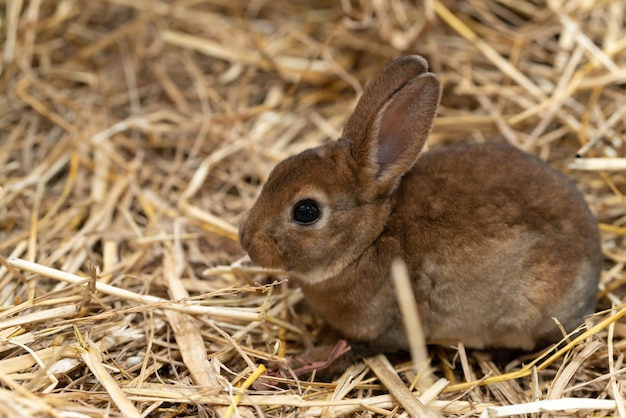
(134,134)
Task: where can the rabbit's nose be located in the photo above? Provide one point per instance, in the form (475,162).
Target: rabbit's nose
(242,235)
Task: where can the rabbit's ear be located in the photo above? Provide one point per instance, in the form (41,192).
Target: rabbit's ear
(379,90)
(404,125)
(396,136)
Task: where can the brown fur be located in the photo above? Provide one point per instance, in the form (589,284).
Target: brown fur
(497,243)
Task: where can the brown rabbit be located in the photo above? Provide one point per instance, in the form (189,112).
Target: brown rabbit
(496,242)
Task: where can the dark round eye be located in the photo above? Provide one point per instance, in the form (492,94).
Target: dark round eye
(306,212)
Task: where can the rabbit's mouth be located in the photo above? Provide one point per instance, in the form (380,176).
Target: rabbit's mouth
(264,251)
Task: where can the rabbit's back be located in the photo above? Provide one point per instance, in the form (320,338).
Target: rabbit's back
(498,243)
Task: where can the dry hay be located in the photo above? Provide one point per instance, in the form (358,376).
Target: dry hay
(134,135)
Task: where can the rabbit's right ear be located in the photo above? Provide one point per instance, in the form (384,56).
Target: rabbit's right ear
(392,122)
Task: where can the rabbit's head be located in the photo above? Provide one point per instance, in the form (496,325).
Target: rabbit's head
(321,208)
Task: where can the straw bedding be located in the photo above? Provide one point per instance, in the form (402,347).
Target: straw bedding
(133,135)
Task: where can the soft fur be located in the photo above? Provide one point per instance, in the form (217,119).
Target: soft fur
(497,243)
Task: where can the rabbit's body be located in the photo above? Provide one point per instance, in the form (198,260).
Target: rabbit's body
(496,242)
(484,254)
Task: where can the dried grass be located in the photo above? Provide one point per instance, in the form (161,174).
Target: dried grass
(134,134)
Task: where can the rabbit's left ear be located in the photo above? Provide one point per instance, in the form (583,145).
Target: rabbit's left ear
(379,90)
(400,130)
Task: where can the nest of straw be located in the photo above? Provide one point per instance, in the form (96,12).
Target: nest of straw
(135,134)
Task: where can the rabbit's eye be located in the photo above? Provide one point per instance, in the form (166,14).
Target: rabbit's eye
(306,212)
